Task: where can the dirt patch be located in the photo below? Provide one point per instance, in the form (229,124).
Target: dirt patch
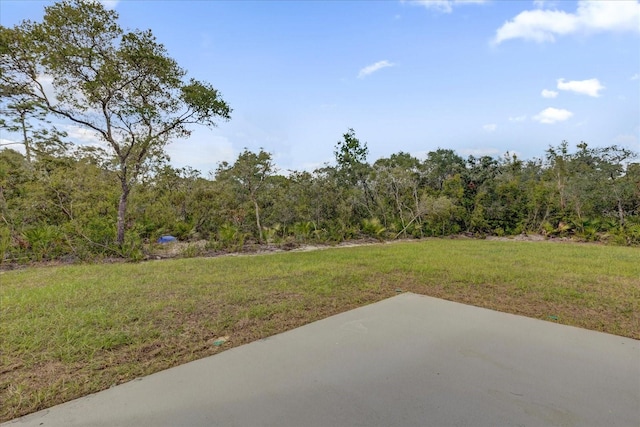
(520,238)
(200,248)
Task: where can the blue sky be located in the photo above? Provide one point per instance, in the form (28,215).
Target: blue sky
(478,77)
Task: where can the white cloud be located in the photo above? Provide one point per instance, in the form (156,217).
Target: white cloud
(369,69)
(549,93)
(82,135)
(518,119)
(9,143)
(609,15)
(636,76)
(591,87)
(490,127)
(537,25)
(46,81)
(552,115)
(591,16)
(444,6)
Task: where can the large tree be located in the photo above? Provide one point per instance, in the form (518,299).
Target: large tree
(81,66)
(250,173)
(351,158)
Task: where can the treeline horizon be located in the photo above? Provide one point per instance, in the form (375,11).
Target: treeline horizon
(63,203)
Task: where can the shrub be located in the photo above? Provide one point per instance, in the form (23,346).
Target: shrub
(372,227)
(230,237)
(45,242)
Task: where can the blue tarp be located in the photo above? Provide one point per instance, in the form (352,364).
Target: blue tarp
(167,239)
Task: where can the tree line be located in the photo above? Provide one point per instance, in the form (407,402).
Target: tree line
(78,66)
(66,205)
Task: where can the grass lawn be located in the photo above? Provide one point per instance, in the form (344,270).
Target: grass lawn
(68,331)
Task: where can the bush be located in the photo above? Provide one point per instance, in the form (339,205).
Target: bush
(302,230)
(5,243)
(272,234)
(132,248)
(230,237)
(632,232)
(372,227)
(45,242)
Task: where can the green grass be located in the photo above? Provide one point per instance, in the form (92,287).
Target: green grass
(68,331)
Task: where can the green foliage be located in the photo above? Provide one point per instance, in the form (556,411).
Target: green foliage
(440,214)
(133,248)
(351,158)
(303,230)
(349,152)
(249,175)
(5,242)
(120,85)
(632,233)
(272,234)
(373,228)
(65,205)
(230,237)
(192,250)
(182,230)
(441,165)
(45,242)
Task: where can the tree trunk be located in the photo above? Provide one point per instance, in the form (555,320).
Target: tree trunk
(620,212)
(255,204)
(122,211)
(25,137)
(398,205)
